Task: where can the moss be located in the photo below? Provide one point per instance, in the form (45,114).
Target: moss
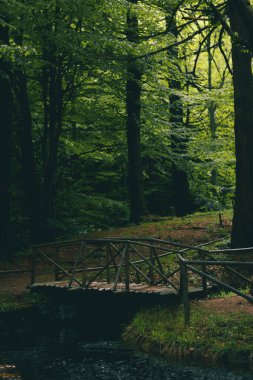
(216,337)
(19,302)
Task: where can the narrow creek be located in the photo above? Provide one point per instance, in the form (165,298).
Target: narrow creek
(103,360)
(73,338)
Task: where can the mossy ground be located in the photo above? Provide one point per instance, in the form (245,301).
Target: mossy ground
(191,229)
(212,336)
(19,302)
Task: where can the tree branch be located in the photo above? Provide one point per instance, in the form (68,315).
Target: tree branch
(177,43)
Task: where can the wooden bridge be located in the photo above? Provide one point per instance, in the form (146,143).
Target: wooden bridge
(139,265)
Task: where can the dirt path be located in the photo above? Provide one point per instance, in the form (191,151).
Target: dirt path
(14,284)
(227,305)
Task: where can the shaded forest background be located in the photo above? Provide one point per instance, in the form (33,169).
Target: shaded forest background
(113,112)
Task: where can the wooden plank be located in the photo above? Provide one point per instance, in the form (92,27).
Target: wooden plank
(102,270)
(60,267)
(33,269)
(155,269)
(84,254)
(77,260)
(219,262)
(108,255)
(117,250)
(204,279)
(56,269)
(151,258)
(140,272)
(221,283)
(126,259)
(120,267)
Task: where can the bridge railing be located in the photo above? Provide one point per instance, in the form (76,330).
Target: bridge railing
(115,261)
(213,259)
(106,258)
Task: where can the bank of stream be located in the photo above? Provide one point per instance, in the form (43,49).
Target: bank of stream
(65,341)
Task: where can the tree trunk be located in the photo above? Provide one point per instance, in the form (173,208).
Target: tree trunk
(211,113)
(133,125)
(182,199)
(53,105)
(52,94)
(30,179)
(242,230)
(5,151)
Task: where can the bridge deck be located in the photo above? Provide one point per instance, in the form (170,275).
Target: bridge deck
(104,286)
(111,266)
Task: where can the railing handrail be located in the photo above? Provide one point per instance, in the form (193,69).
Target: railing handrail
(134,240)
(121,247)
(121,239)
(188,264)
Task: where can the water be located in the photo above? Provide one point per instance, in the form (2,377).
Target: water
(77,341)
(102,360)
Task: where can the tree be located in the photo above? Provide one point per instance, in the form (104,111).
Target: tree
(29,173)
(240,13)
(6,102)
(133,123)
(104,90)
(182,198)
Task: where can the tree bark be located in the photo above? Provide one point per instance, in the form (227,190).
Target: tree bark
(30,178)
(182,198)
(211,113)
(5,150)
(133,124)
(242,230)
(52,94)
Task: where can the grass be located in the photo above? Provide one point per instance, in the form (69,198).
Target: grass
(20,302)
(226,294)
(212,336)
(169,227)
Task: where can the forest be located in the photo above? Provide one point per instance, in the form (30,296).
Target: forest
(115,112)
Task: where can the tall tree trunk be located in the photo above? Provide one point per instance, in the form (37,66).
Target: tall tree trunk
(53,109)
(133,124)
(242,230)
(52,95)
(31,184)
(182,198)
(211,113)
(5,150)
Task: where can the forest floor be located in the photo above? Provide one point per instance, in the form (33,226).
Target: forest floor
(228,304)
(194,229)
(191,229)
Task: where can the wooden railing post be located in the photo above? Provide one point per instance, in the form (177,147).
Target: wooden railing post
(138,279)
(122,261)
(184,291)
(204,279)
(127,279)
(33,269)
(84,263)
(152,262)
(56,268)
(108,257)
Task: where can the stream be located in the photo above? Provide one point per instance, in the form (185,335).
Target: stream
(102,360)
(73,337)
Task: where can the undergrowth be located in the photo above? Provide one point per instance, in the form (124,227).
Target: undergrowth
(19,302)
(212,336)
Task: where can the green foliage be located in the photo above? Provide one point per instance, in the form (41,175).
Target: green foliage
(86,43)
(211,335)
(20,302)
(83,213)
